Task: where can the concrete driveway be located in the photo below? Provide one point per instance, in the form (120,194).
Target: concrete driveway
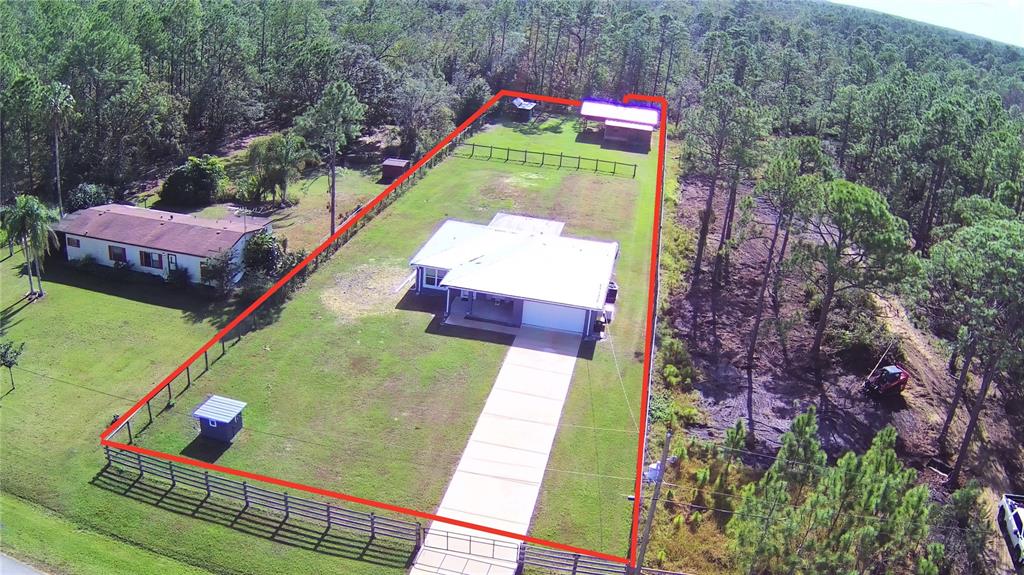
(498,479)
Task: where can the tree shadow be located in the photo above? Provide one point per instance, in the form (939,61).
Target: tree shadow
(334,542)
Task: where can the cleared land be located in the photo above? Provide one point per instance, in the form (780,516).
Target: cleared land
(357,387)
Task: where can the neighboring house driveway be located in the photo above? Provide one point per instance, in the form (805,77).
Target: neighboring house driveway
(11,566)
(498,478)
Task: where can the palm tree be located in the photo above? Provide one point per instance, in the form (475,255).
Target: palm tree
(288,156)
(30,222)
(59,106)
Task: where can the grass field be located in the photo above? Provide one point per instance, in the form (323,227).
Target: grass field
(345,390)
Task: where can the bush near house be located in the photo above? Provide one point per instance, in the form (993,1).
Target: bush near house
(197,183)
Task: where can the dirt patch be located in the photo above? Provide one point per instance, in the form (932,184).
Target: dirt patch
(367,289)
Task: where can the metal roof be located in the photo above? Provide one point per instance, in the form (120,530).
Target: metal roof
(525,224)
(608,111)
(159,230)
(219,409)
(523,104)
(521,263)
(398,162)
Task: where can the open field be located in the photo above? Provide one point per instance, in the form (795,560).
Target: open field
(357,388)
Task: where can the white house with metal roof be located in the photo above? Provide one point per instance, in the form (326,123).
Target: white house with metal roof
(519,271)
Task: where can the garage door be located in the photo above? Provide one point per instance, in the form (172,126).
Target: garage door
(554,316)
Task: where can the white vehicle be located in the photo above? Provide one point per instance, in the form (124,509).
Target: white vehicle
(1011,521)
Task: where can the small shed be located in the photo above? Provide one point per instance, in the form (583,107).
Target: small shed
(220,418)
(391,168)
(523,109)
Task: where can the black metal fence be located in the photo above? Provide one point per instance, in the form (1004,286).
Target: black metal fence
(549,159)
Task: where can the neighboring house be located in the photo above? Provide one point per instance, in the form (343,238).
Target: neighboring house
(519,271)
(631,125)
(154,241)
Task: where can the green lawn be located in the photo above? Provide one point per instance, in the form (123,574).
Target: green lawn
(361,393)
(93,348)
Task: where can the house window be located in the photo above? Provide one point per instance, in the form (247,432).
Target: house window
(432,277)
(172,262)
(151,260)
(117,254)
(74,243)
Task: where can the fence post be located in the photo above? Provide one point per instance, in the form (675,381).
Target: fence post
(578,159)
(287,511)
(506,154)
(634,170)
(138,461)
(472,150)
(559,160)
(129,423)
(245,495)
(373,526)
(490,152)
(222,350)
(521,558)
(575,562)
(168,393)
(149,408)
(206,481)
(188,374)
(206,358)
(328,516)
(170,468)
(419,537)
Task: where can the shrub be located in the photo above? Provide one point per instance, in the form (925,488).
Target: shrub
(263,253)
(253,285)
(88,195)
(219,271)
(857,333)
(197,183)
(179,277)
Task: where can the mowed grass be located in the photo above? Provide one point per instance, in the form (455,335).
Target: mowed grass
(94,346)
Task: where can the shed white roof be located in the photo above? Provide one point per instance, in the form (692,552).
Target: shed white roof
(532,265)
(609,111)
(219,409)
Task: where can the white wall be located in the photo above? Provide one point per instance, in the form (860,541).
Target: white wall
(98,250)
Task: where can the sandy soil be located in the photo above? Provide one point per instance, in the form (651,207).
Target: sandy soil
(717,328)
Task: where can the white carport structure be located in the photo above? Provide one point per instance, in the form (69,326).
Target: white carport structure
(518,271)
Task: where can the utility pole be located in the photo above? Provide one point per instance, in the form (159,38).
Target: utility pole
(645,538)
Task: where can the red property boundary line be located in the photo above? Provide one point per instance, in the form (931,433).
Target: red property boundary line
(648,346)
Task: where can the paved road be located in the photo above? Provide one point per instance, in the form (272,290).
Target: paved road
(498,478)
(11,566)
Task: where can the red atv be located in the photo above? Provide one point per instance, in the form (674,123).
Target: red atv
(889,380)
